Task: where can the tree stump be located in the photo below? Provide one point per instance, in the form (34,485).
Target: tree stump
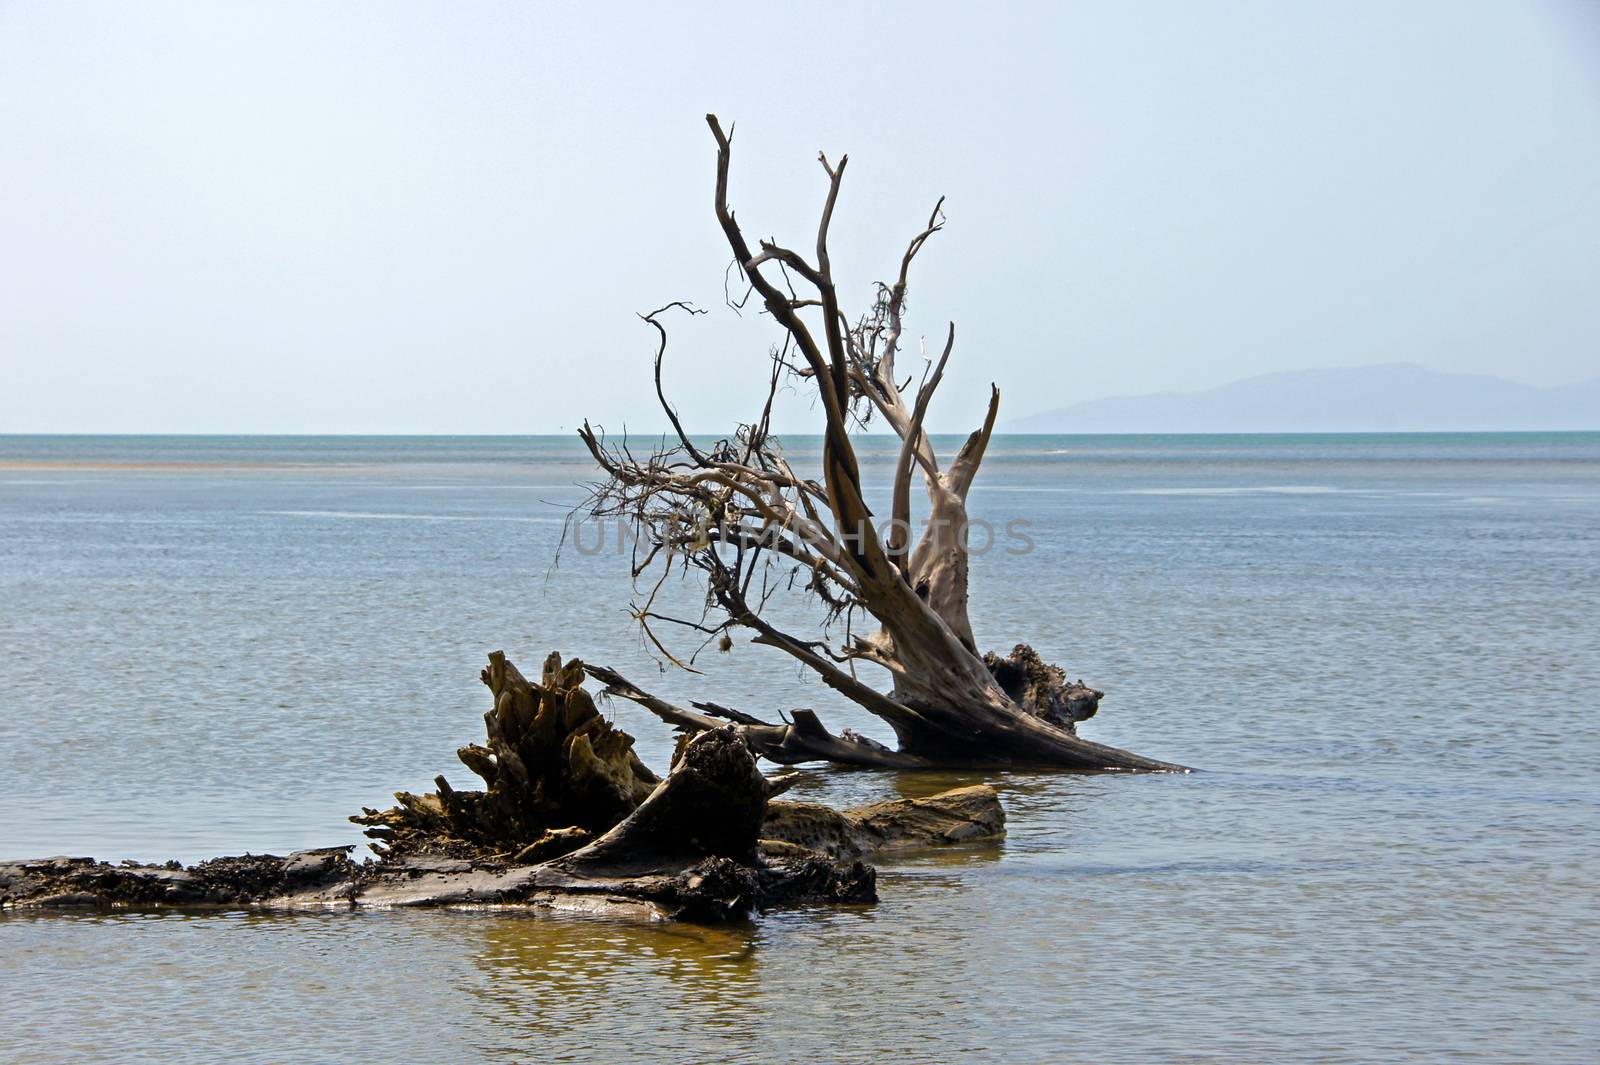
(556,774)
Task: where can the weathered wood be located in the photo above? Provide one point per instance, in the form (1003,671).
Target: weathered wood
(556,772)
(1043,689)
(567,795)
(698,845)
(738,513)
(688,852)
(804,739)
(961,815)
(710,806)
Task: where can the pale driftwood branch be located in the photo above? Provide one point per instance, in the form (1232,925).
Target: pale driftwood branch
(900,534)
(965,467)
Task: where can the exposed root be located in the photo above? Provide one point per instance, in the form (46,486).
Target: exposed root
(1042,689)
(557,774)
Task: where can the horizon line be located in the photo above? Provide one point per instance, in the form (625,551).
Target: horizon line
(780,435)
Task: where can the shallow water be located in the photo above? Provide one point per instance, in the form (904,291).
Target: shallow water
(1383,652)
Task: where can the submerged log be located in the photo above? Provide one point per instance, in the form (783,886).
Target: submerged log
(570,810)
(961,815)
(570,819)
(60,882)
(688,851)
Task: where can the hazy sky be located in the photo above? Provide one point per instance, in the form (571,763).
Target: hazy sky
(441,218)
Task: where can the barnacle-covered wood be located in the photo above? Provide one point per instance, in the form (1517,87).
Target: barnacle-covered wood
(556,774)
(253,879)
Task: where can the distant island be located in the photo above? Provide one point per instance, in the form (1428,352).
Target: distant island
(1391,397)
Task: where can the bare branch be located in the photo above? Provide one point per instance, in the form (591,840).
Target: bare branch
(661,351)
(965,468)
(805,740)
(900,529)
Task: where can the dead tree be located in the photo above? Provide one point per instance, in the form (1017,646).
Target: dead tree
(740,514)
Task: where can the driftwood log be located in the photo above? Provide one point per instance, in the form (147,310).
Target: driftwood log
(752,526)
(569,819)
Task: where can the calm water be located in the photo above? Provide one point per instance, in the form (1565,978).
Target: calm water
(1383,651)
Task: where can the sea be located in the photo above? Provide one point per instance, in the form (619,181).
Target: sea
(1380,653)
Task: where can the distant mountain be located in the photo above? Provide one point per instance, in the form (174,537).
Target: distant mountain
(1393,397)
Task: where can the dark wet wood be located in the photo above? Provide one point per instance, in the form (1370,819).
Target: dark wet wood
(803,738)
(556,774)
(961,815)
(701,844)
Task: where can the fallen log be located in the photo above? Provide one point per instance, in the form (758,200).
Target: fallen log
(688,852)
(569,820)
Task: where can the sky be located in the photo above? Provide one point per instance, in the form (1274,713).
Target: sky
(444,218)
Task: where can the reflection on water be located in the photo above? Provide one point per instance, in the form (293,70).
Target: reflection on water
(1135,919)
(852,786)
(1390,855)
(548,982)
